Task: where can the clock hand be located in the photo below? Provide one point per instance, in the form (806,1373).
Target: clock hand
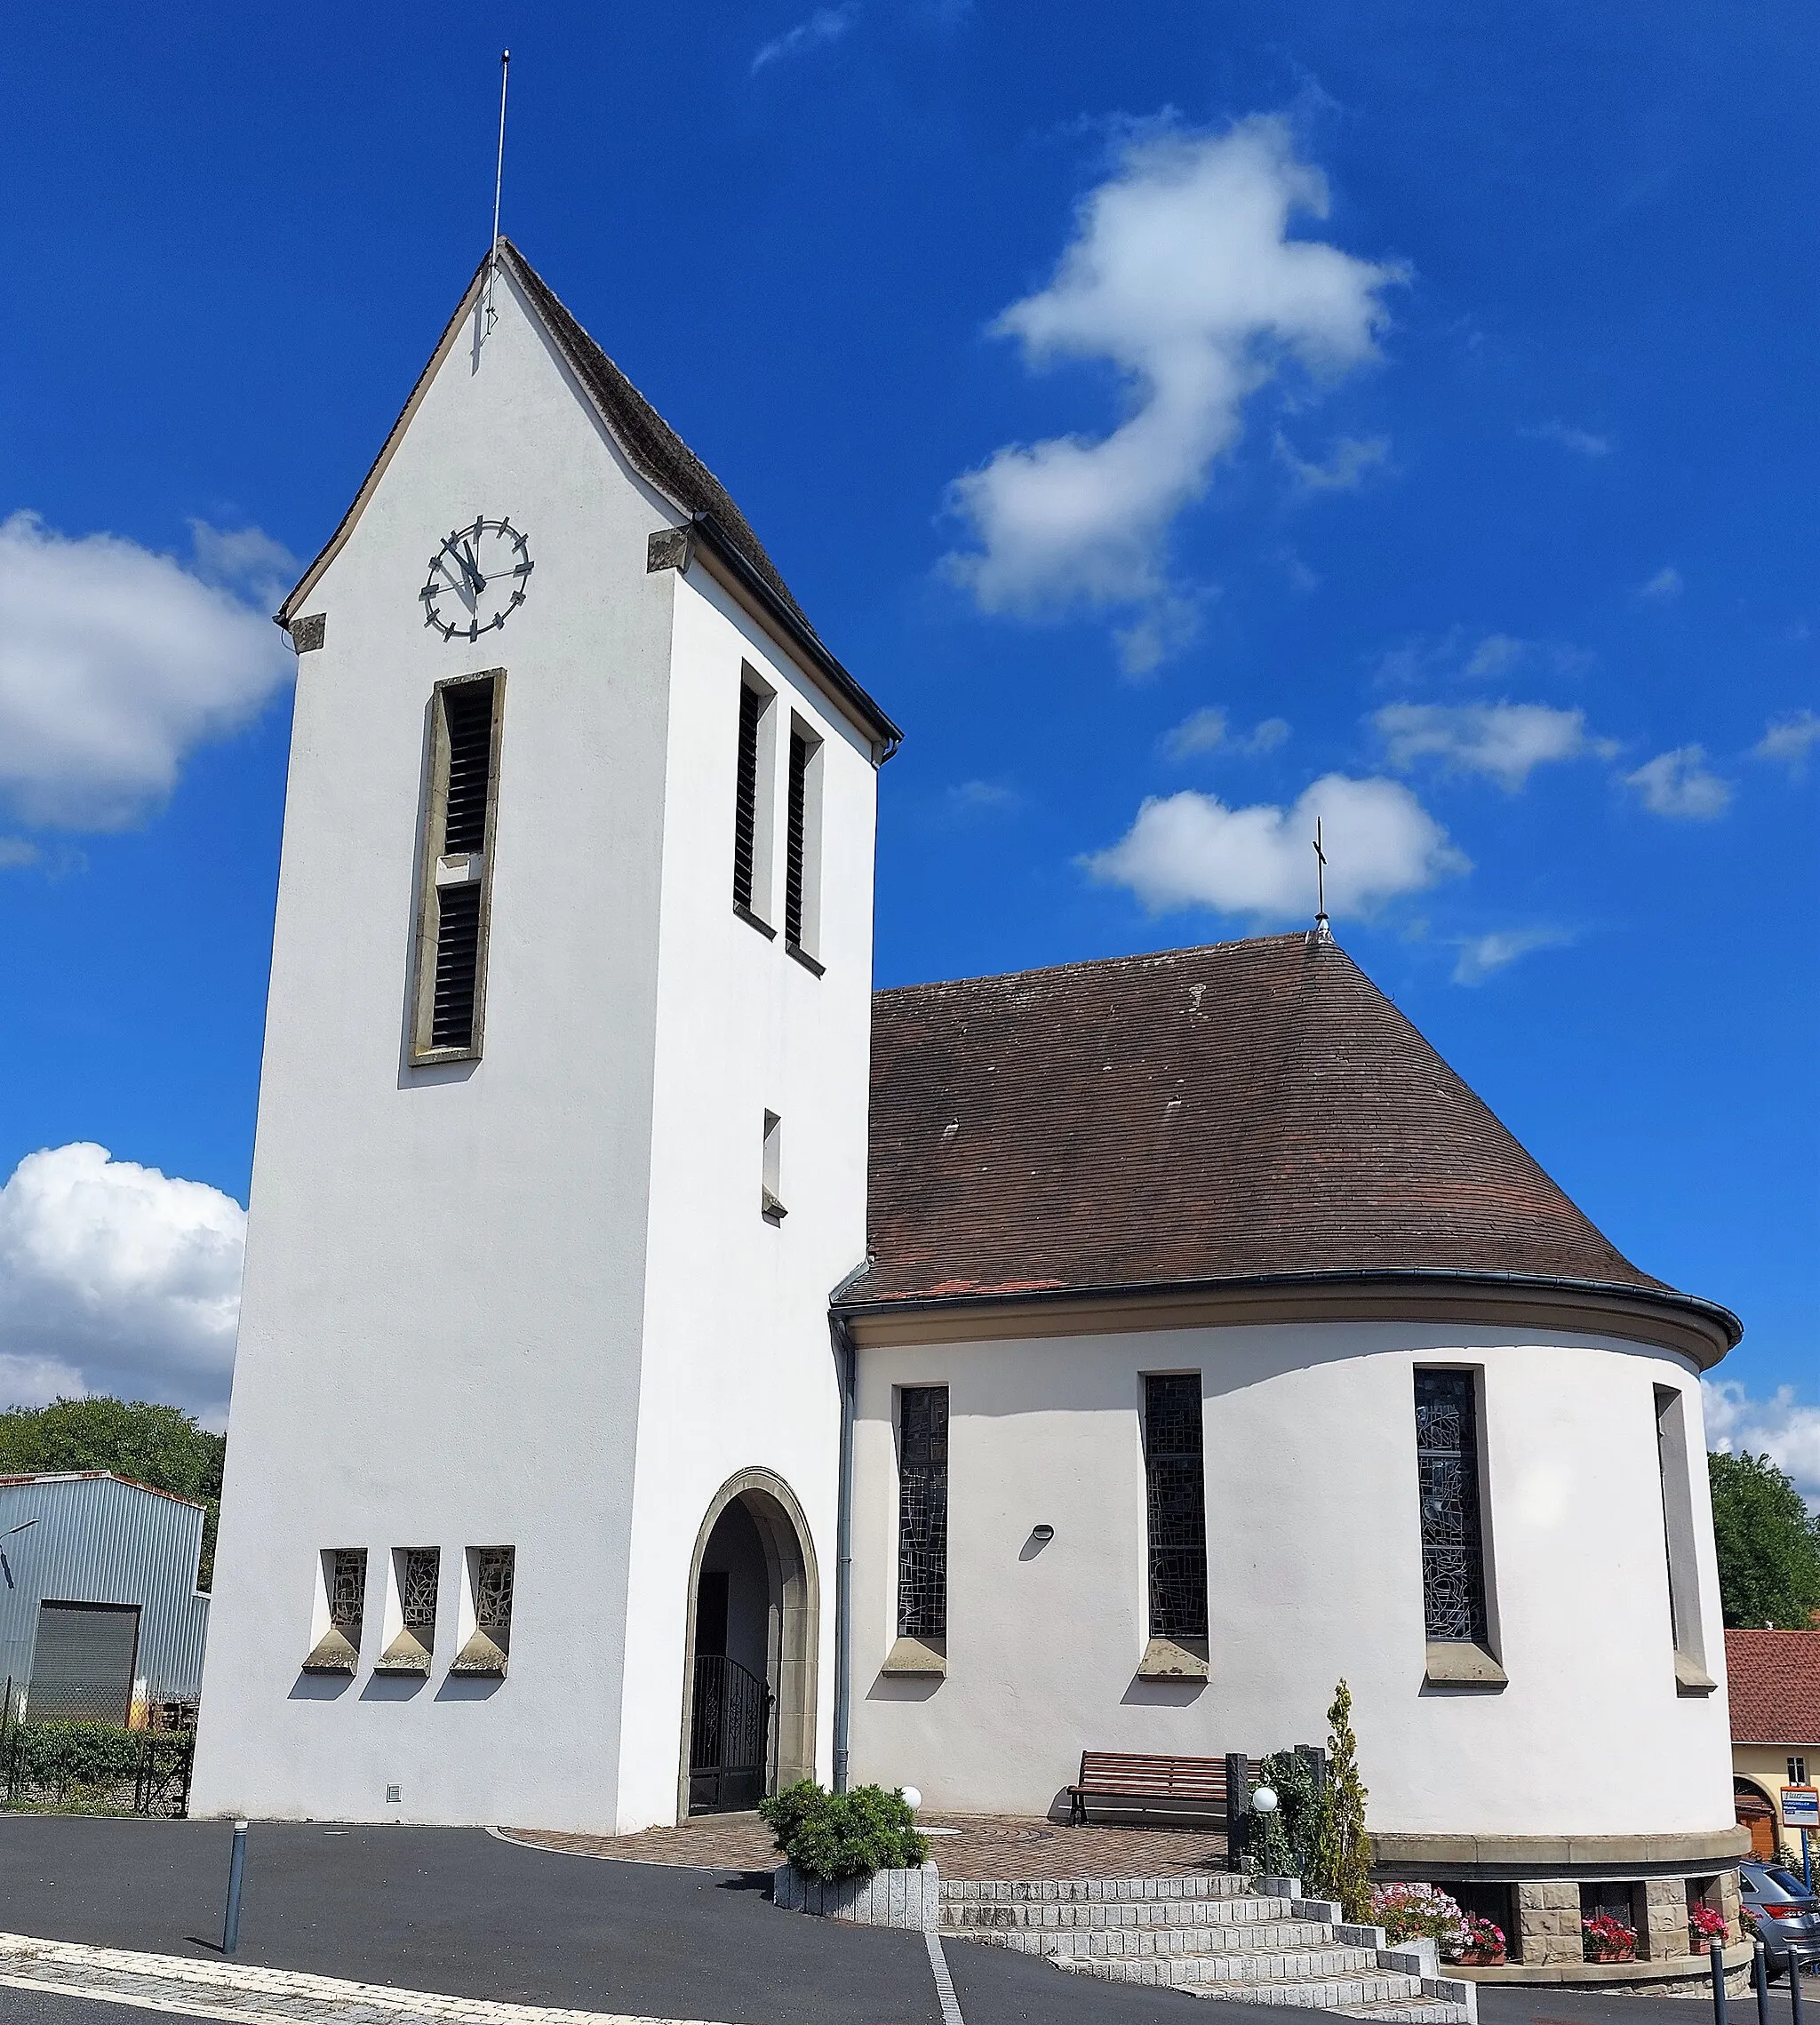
(476,581)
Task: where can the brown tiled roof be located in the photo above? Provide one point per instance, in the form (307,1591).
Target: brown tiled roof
(1774,1679)
(1249,1109)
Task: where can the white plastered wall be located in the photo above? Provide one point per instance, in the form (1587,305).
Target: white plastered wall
(1314,1572)
(444,1293)
(739,1372)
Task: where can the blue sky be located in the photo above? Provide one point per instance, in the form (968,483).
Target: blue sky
(1185,426)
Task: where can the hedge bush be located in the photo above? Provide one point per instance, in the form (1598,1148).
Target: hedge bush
(831,1836)
(89,1754)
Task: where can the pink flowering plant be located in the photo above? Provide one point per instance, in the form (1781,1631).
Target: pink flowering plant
(1608,1938)
(1482,1937)
(1419,1912)
(1705,1923)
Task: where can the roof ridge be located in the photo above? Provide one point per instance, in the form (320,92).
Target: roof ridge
(1087,964)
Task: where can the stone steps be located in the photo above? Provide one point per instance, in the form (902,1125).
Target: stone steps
(1214,1936)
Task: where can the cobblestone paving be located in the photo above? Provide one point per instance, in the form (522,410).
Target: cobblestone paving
(984,1846)
(239,1994)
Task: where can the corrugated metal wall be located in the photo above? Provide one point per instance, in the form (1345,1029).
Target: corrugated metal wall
(98,1540)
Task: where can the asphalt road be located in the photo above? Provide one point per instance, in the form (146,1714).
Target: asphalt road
(460,1911)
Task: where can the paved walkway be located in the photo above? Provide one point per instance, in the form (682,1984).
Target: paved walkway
(964,1845)
(464,1915)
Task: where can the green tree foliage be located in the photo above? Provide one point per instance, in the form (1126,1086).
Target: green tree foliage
(1282,1845)
(1341,1866)
(158,1445)
(1769,1545)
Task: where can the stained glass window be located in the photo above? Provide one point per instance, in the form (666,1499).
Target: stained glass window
(493,1592)
(418,1591)
(922,1511)
(348,1591)
(1447,1465)
(1175,1506)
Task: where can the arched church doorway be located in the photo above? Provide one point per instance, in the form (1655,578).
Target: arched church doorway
(749,1679)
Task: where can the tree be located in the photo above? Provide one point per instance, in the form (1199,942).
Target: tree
(1769,1545)
(1341,1863)
(159,1445)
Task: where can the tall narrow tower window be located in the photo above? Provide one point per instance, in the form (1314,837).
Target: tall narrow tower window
(754,761)
(452,914)
(803,844)
(1175,1506)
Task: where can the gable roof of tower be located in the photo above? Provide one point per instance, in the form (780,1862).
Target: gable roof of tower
(1773,1679)
(1249,1110)
(654,451)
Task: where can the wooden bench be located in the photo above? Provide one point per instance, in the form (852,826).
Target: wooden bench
(1200,1785)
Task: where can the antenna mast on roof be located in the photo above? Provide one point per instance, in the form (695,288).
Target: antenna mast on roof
(1321,932)
(498,183)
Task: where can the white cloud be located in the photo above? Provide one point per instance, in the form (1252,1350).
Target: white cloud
(1678,783)
(1583,443)
(970,800)
(1345,471)
(1493,655)
(1790,740)
(827,25)
(1191,850)
(1182,275)
(1780,1427)
(1201,731)
(1664,587)
(114,663)
(1506,741)
(1482,955)
(115,1278)
(17,851)
(1208,731)
(246,558)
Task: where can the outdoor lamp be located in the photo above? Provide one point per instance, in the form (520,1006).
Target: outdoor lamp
(1263,1801)
(910,1796)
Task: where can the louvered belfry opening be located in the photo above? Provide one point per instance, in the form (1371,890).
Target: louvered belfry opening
(745,796)
(1175,1504)
(802,750)
(457,873)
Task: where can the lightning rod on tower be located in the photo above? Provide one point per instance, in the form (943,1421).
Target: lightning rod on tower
(499,184)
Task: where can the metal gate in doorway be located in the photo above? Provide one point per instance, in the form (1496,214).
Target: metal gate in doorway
(729,1737)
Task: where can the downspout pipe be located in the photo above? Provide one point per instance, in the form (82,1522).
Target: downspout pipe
(846,1371)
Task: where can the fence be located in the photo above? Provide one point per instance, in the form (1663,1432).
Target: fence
(95,1768)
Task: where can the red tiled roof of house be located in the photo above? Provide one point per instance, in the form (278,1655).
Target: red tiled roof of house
(1248,1109)
(1773,1677)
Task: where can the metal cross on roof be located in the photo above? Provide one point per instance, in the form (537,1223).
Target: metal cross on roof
(1320,879)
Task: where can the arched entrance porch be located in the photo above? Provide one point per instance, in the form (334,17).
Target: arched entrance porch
(750,1653)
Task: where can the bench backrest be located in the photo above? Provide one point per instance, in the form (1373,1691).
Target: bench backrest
(1145,1775)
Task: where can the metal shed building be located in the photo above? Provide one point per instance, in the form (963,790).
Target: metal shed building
(100,1617)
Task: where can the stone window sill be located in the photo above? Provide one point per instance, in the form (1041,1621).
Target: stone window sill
(1455,1663)
(911,1655)
(1690,1677)
(1173,1659)
(752,921)
(808,963)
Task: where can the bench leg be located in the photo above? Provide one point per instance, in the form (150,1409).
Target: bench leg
(1077,1811)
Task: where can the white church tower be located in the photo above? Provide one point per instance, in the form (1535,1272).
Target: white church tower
(562,1143)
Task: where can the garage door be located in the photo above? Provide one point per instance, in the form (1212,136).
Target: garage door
(81,1669)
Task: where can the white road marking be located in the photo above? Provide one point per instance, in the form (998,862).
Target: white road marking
(944,1982)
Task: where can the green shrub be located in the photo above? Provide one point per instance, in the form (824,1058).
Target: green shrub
(1282,1845)
(66,1755)
(1341,1866)
(831,1836)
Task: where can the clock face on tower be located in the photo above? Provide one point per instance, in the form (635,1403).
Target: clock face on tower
(477,580)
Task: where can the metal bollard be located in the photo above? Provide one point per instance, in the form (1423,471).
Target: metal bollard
(236,1872)
(1715,1954)
(1795,1952)
(1760,1977)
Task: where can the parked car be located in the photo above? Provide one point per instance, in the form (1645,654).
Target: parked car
(1786,1910)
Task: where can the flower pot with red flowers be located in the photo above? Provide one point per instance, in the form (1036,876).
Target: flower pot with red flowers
(1705,1923)
(1481,1946)
(1608,1939)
